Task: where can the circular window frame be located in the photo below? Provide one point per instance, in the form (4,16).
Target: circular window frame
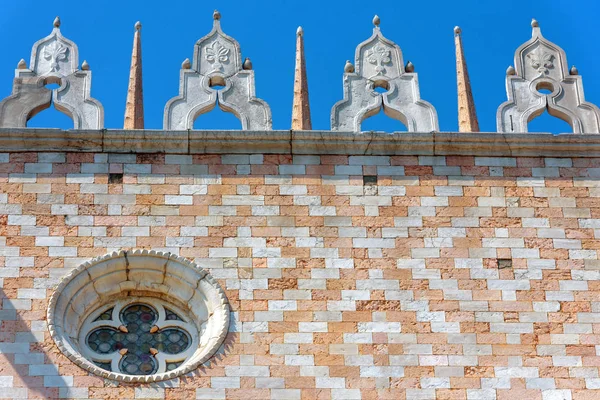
(138,274)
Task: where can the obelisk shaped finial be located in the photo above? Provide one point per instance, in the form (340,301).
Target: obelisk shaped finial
(467,117)
(301,106)
(134,109)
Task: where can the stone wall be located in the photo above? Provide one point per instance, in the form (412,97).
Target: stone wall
(349,276)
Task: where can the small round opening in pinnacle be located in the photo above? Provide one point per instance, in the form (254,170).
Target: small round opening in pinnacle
(544,88)
(381,86)
(52,82)
(216,82)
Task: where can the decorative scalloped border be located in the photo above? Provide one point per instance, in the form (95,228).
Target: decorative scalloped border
(84,363)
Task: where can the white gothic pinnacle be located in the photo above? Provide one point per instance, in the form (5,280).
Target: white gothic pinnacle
(54,59)
(217,76)
(541,81)
(379,64)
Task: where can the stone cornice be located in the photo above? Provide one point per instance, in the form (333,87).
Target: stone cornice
(300,142)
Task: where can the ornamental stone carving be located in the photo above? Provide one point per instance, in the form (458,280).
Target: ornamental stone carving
(54,60)
(138,316)
(540,81)
(217,76)
(379,64)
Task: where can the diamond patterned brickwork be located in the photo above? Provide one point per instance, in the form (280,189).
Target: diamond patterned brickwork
(339,289)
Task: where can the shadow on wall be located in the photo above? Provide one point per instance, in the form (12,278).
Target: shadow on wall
(193,384)
(28,357)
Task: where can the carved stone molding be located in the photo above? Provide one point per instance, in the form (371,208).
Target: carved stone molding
(540,81)
(301,142)
(124,276)
(379,64)
(217,76)
(54,59)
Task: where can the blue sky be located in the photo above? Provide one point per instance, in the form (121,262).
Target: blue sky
(492,30)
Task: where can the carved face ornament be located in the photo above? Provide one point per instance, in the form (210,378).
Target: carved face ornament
(378,56)
(55,53)
(217,54)
(541,61)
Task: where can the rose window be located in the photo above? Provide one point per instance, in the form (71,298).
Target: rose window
(138,316)
(138,338)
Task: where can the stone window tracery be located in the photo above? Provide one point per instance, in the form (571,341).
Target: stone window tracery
(138,336)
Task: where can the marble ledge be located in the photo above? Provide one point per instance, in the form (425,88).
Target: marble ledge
(300,142)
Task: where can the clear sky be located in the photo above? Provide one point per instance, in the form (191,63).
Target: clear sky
(492,31)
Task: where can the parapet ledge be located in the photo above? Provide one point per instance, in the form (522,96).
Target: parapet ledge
(300,142)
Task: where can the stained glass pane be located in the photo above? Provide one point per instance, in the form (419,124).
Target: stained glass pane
(139,314)
(172,341)
(103,365)
(138,320)
(171,316)
(138,364)
(103,341)
(105,316)
(172,365)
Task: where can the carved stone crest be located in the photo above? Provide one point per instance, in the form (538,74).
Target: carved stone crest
(217,55)
(541,60)
(379,56)
(55,53)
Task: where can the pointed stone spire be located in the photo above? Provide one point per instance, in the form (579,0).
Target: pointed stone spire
(301,106)
(467,117)
(134,109)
